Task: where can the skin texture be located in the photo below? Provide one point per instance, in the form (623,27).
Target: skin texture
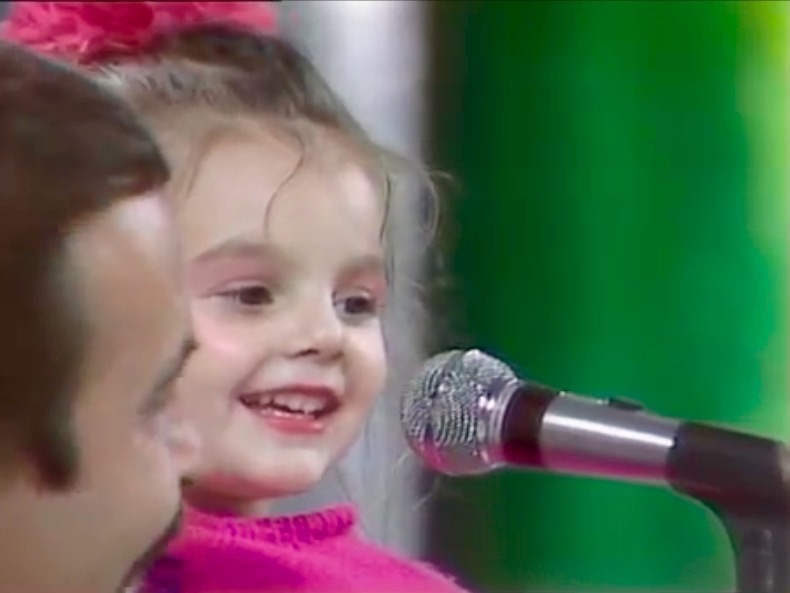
(284,269)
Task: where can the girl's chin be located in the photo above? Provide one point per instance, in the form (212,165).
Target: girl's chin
(255,494)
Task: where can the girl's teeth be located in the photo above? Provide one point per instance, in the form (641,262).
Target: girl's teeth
(287,402)
(298,403)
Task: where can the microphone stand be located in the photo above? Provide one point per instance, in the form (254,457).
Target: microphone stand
(761,545)
(744,480)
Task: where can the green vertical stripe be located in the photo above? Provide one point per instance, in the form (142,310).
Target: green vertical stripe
(623,233)
(763,92)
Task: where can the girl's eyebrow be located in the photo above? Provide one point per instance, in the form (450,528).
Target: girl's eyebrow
(240,247)
(370,263)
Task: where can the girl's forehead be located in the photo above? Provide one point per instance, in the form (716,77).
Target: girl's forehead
(190,137)
(327,148)
(262,164)
(246,182)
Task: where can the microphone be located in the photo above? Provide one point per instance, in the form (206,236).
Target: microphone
(467,413)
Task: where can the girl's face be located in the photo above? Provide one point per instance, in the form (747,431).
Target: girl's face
(286,295)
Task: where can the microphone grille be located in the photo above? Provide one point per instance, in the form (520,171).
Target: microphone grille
(443,415)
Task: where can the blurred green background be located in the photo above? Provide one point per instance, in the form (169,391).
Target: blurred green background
(621,229)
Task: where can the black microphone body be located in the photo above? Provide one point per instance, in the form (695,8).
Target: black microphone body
(469,414)
(614,438)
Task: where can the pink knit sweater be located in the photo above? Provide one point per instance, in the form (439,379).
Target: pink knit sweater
(315,553)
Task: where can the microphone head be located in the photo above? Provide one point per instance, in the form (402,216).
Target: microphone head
(444,413)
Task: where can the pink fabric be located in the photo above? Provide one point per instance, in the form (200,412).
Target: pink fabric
(316,553)
(87,32)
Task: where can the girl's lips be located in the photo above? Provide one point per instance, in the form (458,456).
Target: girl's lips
(291,423)
(297,408)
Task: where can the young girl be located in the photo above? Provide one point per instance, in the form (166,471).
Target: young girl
(283,203)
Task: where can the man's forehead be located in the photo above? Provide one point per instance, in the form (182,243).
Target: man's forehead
(135,309)
(142,213)
(128,267)
(140,228)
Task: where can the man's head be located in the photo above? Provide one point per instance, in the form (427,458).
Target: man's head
(94,331)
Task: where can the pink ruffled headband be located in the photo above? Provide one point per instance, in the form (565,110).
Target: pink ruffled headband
(83,32)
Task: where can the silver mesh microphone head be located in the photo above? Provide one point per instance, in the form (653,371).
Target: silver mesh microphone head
(449,412)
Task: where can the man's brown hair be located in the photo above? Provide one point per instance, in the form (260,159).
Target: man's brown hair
(68,150)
